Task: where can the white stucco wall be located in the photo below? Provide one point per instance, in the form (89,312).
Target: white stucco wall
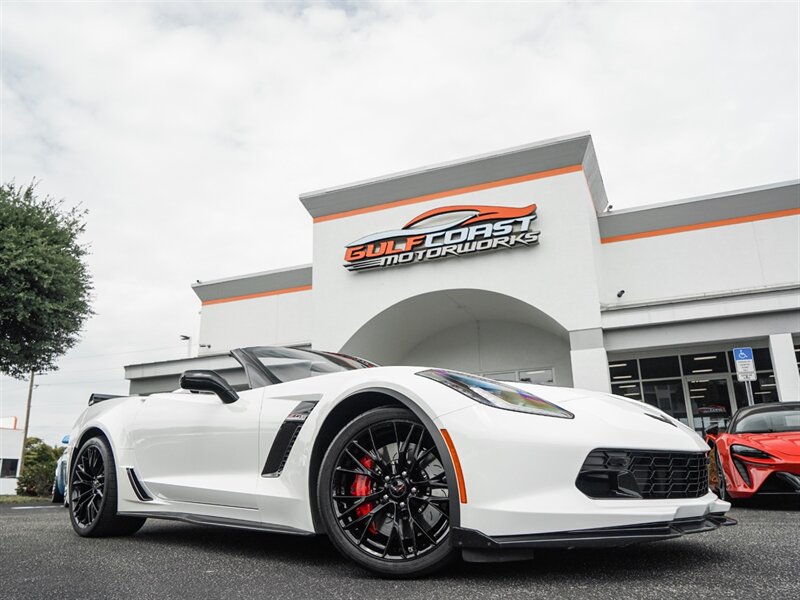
(281,319)
(487,346)
(744,256)
(558,276)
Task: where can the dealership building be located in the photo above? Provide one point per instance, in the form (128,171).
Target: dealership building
(513,265)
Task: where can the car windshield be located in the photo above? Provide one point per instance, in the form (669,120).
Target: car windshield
(774,420)
(290,364)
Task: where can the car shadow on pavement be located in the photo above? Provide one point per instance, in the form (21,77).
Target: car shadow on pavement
(790,503)
(648,560)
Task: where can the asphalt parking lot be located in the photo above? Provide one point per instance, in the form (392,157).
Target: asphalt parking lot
(41,557)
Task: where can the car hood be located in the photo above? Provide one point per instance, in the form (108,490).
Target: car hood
(786,443)
(618,413)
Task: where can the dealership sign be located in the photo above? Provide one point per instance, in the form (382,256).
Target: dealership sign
(443,232)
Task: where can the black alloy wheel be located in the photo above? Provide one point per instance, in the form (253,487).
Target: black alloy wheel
(88,486)
(384,495)
(93,493)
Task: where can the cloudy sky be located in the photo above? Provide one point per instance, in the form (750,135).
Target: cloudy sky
(189,129)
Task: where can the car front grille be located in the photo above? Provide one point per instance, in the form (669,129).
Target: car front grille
(649,474)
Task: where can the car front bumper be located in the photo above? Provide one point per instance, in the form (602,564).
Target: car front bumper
(519,473)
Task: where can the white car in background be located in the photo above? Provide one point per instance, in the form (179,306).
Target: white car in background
(403,468)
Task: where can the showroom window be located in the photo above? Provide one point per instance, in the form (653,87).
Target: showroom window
(8,467)
(700,388)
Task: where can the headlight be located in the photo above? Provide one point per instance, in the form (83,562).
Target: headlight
(494,393)
(748,452)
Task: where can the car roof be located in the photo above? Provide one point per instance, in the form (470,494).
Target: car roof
(758,408)
(766,407)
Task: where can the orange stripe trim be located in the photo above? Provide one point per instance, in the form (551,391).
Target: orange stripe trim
(655,232)
(447,193)
(302,288)
(462,489)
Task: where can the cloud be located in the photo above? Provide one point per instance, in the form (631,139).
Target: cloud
(188,131)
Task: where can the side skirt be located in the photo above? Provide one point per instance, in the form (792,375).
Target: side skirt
(219,522)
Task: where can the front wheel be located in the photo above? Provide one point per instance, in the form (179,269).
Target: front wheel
(722,491)
(384,496)
(93,493)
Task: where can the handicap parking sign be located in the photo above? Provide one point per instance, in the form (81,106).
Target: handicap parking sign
(745,365)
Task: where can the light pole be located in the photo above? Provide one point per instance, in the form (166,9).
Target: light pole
(25,430)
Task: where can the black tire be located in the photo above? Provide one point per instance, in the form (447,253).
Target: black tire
(93,493)
(383,495)
(722,488)
(57,497)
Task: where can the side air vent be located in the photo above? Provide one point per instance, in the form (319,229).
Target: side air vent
(137,486)
(285,439)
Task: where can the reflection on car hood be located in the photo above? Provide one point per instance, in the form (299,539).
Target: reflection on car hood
(787,443)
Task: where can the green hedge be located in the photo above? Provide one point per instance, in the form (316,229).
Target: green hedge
(39,468)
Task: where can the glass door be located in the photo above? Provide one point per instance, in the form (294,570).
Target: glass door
(709,401)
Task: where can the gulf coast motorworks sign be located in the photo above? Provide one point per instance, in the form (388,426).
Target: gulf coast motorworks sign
(444,232)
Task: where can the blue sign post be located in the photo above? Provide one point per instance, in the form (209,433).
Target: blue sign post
(745,369)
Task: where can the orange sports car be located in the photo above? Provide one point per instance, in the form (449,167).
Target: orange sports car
(758,453)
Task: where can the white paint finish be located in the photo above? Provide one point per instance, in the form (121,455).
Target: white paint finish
(487,346)
(195,448)
(281,319)
(205,458)
(590,369)
(784,362)
(504,499)
(743,256)
(344,301)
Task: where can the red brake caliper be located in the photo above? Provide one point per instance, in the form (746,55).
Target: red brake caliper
(362,486)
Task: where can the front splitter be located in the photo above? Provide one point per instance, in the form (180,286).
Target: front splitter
(488,546)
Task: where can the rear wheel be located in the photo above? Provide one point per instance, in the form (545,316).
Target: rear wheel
(384,496)
(93,493)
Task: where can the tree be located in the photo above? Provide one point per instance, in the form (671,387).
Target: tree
(45,284)
(40,469)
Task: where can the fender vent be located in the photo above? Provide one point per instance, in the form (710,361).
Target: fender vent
(285,439)
(137,486)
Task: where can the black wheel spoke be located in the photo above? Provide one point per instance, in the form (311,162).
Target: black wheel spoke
(345,497)
(399,528)
(366,529)
(365,470)
(422,529)
(403,452)
(372,440)
(388,541)
(365,452)
(411,529)
(354,472)
(371,513)
(396,440)
(364,500)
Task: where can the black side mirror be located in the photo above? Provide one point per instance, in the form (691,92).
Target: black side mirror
(209,381)
(712,430)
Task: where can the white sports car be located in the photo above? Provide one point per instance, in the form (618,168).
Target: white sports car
(402,467)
